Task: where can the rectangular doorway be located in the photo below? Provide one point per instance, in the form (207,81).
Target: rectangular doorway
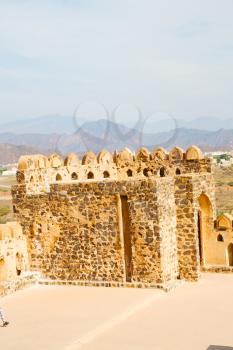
(127,238)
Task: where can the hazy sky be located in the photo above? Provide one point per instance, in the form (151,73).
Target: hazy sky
(163,55)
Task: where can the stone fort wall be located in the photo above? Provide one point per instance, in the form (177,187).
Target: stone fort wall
(38,172)
(126,217)
(13,251)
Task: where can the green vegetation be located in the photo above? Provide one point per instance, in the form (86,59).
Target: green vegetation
(230,183)
(223,156)
(4,189)
(220,212)
(4,210)
(2,169)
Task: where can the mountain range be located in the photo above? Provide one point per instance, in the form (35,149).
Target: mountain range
(96,135)
(57,124)
(10,154)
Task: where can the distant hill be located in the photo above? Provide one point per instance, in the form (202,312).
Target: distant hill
(42,125)
(56,124)
(11,153)
(101,134)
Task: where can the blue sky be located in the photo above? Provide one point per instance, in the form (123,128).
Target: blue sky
(163,56)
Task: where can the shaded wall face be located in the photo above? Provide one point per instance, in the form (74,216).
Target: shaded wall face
(217,247)
(13,250)
(89,240)
(188,191)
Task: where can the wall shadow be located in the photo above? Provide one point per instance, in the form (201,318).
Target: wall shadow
(219,347)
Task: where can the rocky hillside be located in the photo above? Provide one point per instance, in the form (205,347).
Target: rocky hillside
(11,153)
(101,134)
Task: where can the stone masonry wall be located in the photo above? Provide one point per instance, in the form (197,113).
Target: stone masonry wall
(74,231)
(189,188)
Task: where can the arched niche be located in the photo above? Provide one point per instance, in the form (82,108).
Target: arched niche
(224,222)
(74,176)
(58,177)
(162,172)
(220,238)
(129,173)
(90,175)
(106,174)
(19,264)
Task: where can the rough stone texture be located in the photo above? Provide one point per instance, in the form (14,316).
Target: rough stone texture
(189,188)
(128,218)
(13,251)
(87,243)
(17,283)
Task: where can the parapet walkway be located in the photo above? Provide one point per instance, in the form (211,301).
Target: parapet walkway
(193,316)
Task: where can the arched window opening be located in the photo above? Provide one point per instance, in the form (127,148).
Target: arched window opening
(90,175)
(129,173)
(31,179)
(220,238)
(162,172)
(146,172)
(58,177)
(178,172)
(74,176)
(40,178)
(106,174)
(205,225)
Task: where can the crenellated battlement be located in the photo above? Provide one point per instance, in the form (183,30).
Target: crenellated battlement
(37,172)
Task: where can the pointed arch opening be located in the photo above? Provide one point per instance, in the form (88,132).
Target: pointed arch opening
(74,176)
(106,174)
(162,172)
(146,172)
(230,254)
(129,173)
(58,177)
(220,238)
(90,175)
(205,224)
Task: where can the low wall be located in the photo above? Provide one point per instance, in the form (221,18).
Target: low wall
(218,269)
(20,282)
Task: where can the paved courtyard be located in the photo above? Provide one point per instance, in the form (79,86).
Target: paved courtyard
(192,317)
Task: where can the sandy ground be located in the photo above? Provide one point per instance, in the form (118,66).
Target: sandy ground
(193,316)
